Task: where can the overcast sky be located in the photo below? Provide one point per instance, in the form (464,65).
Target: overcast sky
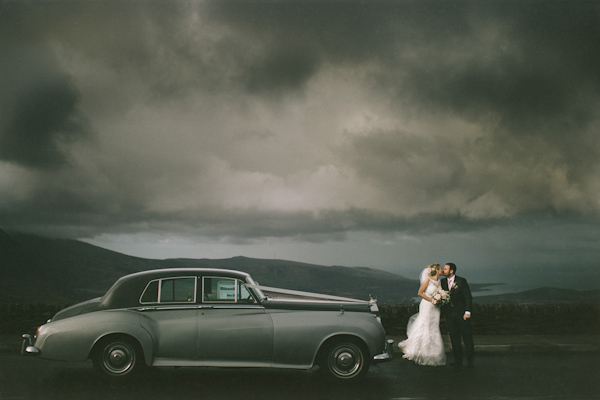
(387,134)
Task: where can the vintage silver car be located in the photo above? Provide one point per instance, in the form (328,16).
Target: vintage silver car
(212,317)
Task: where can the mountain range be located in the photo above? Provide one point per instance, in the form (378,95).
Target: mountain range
(545,295)
(36,269)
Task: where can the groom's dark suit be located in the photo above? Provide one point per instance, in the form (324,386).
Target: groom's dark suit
(461,300)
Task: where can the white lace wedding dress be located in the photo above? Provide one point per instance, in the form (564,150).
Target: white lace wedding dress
(424,345)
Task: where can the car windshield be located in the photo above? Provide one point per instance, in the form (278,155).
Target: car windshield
(256,290)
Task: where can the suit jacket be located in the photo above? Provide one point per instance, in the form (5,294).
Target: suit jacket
(461,299)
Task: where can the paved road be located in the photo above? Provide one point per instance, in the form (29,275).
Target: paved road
(531,376)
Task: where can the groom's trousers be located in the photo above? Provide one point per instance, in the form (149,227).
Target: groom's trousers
(460,331)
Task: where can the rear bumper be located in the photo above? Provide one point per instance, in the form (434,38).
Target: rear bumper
(388,353)
(27,348)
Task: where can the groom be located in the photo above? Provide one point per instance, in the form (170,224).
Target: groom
(458,314)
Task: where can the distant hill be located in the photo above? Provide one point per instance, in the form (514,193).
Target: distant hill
(39,269)
(35,269)
(543,296)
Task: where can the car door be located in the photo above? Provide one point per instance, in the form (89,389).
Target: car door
(170,314)
(233,328)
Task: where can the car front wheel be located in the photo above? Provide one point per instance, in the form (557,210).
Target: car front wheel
(345,360)
(118,357)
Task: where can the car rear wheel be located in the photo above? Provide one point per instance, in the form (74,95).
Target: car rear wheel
(345,359)
(118,357)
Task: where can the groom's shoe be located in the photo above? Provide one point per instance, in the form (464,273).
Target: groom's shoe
(456,364)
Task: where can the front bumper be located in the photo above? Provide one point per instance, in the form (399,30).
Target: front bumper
(27,348)
(388,353)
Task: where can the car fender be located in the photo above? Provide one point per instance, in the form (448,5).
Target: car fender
(362,327)
(300,335)
(72,339)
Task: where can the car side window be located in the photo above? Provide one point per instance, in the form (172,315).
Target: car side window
(219,290)
(150,295)
(225,290)
(170,290)
(177,290)
(244,295)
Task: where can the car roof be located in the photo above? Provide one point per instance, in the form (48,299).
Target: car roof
(127,290)
(174,272)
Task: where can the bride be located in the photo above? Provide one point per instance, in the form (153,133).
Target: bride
(424,345)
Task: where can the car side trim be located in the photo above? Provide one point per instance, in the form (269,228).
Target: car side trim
(202,307)
(171,362)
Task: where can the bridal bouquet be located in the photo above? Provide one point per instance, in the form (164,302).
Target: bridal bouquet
(440,297)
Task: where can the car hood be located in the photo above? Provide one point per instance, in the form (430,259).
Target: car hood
(76,309)
(314,305)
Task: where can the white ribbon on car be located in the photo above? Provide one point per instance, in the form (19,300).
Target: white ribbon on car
(309,294)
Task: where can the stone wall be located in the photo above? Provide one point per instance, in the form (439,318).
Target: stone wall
(19,318)
(499,319)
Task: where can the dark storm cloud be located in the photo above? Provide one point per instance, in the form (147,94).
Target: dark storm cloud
(38,111)
(526,72)
(540,70)
(469,114)
(525,78)
(282,70)
(533,64)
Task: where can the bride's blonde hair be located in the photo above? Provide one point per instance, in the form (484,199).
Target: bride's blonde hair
(433,268)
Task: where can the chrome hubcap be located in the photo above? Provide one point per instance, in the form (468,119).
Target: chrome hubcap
(118,358)
(345,360)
